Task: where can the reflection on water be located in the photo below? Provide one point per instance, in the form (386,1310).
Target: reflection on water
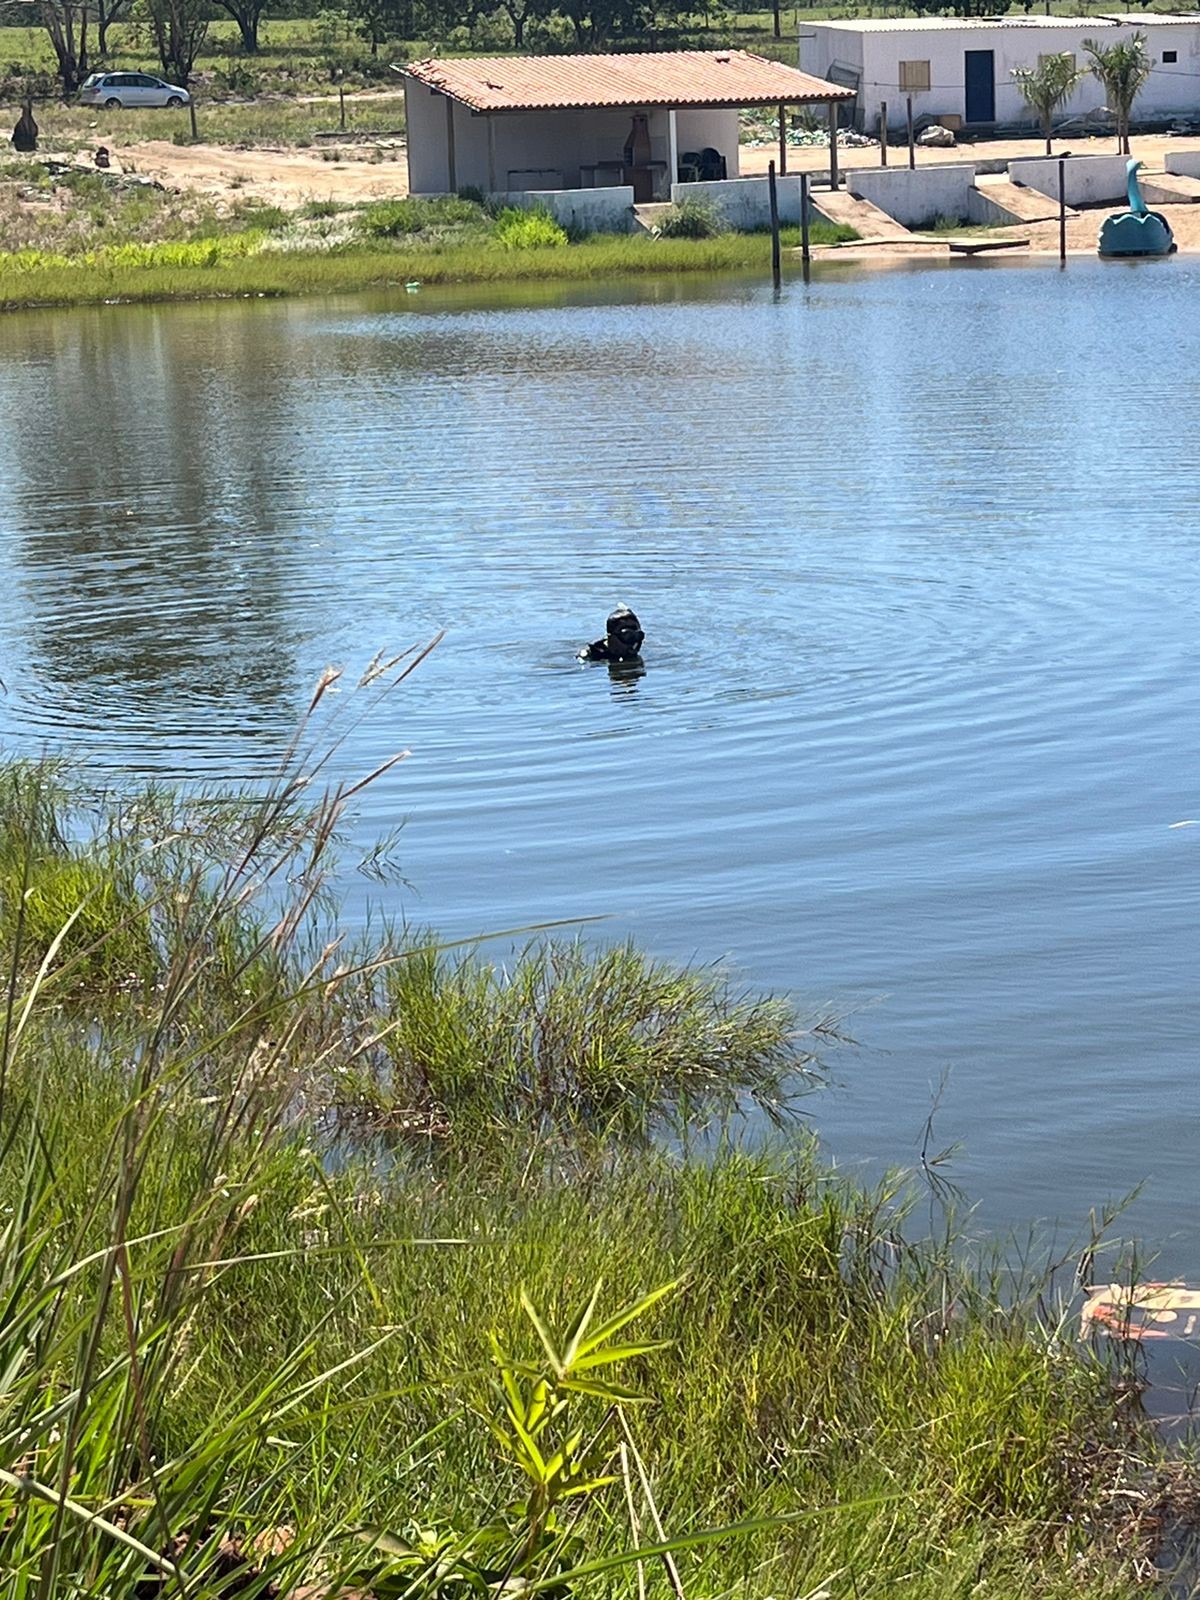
(915,714)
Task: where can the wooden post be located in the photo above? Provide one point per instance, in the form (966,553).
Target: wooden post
(883,133)
(833,166)
(341,105)
(805,253)
(451,164)
(782,140)
(912,144)
(1062,211)
(192,114)
(776,263)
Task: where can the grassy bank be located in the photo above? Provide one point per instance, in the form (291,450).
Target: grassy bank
(301,1235)
(214,271)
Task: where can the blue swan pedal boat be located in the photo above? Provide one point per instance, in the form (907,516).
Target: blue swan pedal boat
(1138,231)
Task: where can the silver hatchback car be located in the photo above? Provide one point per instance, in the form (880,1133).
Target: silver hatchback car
(117,91)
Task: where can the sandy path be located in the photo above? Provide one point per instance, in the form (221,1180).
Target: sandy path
(284,177)
(1083,230)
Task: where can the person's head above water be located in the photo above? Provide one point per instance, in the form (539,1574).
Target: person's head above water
(622,640)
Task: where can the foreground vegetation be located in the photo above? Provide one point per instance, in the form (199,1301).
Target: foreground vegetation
(333,1262)
(98,250)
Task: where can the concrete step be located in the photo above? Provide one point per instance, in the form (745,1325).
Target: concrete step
(836,205)
(1015,202)
(1169,188)
(979,247)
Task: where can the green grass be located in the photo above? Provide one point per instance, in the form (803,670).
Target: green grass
(27,282)
(960,227)
(271,122)
(237,1328)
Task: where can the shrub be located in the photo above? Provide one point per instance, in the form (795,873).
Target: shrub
(391,219)
(692,218)
(528,230)
(236,78)
(255,214)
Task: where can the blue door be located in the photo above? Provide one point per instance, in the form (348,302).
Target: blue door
(981,85)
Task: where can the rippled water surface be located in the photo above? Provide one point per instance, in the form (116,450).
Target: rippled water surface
(916,553)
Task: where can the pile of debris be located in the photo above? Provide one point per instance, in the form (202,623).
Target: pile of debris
(103,164)
(818,138)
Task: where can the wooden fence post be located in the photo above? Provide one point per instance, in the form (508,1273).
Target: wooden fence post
(776,262)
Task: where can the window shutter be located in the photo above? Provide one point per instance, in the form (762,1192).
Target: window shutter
(914,75)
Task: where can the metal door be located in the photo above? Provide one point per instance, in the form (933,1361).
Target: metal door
(980,83)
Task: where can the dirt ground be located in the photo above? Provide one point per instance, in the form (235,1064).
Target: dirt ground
(285,177)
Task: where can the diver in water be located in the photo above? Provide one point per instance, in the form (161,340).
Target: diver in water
(622,639)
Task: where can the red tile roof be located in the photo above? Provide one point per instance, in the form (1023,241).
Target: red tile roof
(646,78)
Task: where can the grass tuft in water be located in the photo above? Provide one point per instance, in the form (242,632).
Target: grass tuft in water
(570,1037)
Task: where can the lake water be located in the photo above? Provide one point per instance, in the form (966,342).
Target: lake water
(916,553)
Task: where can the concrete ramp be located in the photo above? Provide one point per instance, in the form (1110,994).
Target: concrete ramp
(867,220)
(1169,188)
(997,199)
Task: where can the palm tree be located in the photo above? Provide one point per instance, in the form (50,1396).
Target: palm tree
(1122,68)
(1047,86)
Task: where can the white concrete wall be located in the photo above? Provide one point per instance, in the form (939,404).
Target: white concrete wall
(425,120)
(589,210)
(745,203)
(917,198)
(1173,88)
(823,47)
(718,128)
(1087,180)
(1184,163)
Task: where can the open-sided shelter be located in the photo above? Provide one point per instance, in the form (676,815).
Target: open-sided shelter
(647,121)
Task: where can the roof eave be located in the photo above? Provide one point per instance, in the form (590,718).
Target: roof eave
(742,101)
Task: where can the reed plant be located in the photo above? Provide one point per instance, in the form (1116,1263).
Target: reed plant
(512,1345)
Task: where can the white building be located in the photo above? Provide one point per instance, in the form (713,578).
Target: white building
(957,68)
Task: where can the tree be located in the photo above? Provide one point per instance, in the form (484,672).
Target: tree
(246,14)
(180,28)
(381,20)
(1122,68)
(66,21)
(520,13)
(1048,86)
(374,19)
(108,12)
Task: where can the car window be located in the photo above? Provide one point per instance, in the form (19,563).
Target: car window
(144,81)
(92,79)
